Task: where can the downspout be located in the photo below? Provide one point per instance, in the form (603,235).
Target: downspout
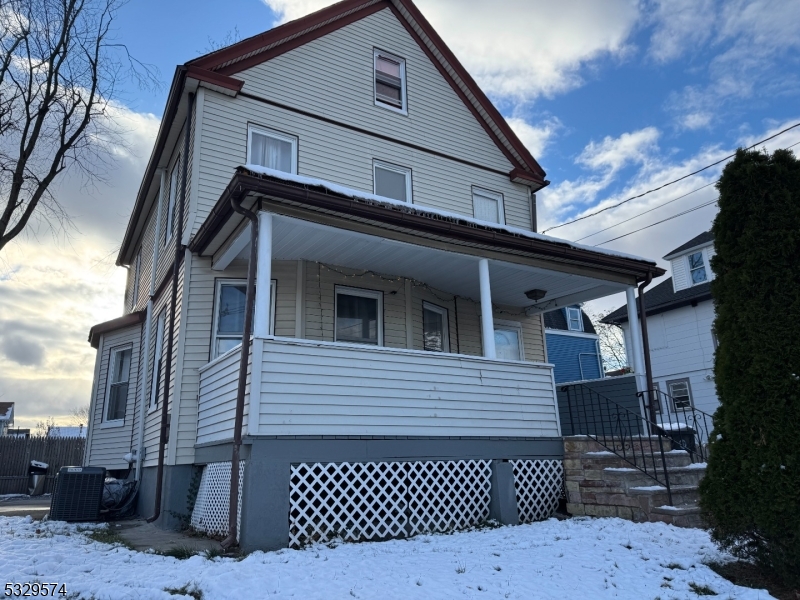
(646,350)
(233,508)
(179,250)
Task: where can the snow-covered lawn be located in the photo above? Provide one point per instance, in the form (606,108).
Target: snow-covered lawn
(577,558)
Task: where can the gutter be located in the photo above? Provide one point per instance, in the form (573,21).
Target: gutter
(179,251)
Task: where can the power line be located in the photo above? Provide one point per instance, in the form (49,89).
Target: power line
(680,214)
(647,211)
(670,182)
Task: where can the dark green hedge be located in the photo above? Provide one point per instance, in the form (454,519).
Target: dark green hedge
(751,492)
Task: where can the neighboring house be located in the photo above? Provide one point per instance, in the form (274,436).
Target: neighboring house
(66,431)
(398,350)
(6,417)
(573,346)
(680,316)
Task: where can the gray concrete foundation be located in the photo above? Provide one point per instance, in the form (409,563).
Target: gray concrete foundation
(174,495)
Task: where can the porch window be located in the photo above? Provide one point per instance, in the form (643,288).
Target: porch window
(120,371)
(697,268)
(158,352)
(487,205)
(359,316)
(574,319)
(435,336)
(390,81)
(681,394)
(229,300)
(392,181)
(508,340)
(271,149)
(173,194)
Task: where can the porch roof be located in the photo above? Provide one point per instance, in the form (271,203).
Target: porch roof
(327,223)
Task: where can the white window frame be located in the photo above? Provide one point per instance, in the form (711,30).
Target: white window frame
(403,108)
(265,131)
(569,319)
(405,171)
(445,328)
(479,191)
(173,196)
(704,267)
(112,355)
(137,271)
(688,383)
(273,293)
(364,293)
(516,325)
(158,353)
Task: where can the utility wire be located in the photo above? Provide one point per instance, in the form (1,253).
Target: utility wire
(670,182)
(680,214)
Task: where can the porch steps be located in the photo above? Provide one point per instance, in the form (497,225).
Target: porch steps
(601,483)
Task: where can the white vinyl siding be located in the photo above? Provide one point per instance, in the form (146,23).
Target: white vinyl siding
(487,205)
(158,355)
(171,213)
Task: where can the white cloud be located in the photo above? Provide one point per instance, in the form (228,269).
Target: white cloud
(535,138)
(524,49)
(681,26)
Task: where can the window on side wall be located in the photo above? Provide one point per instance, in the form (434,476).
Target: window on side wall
(118,377)
(681,394)
(137,271)
(229,301)
(574,319)
(697,268)
(359,316)
(173,201)
(508,340)
(435,335)
(391,181)
(487,205)
(158,351)
(271,149)
(390,81)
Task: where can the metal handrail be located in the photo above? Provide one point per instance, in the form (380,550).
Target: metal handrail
(688,428)
(621,431)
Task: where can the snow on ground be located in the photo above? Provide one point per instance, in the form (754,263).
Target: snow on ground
(576,558)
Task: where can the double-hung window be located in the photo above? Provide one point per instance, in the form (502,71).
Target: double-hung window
(359,316)
(681,394)
(158,351)
(574,319)
(487,205)
(173,201)
(508,340)
(137,269)
(119,374)
(697,267)
(271,149)
(392,181)
(435,336)
(390,81)
(229,300)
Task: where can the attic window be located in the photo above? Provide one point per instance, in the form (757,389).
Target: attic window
(574,319)
(697,267)
(390,81)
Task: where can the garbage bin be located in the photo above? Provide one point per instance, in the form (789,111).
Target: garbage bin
(37,473)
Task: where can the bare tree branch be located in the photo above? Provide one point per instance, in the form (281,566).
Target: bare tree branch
(612,343)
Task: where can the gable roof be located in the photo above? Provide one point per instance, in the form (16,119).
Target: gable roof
(663,298)
(700,240)
(216,70)
(556,319)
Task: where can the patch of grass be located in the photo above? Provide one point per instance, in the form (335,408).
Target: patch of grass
(108,536)
(179,552)
(701,590)
(189,589)
(461,568)
(212,553)
(749,575)
(674,566)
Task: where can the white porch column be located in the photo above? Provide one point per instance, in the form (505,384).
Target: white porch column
(487,320)
(263,275)
(635,352)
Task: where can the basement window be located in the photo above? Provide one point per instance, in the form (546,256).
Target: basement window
(229,300)
(120,371)
(359,316)
(390,81)
(391,181)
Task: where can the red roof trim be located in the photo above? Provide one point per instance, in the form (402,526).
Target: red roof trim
(128,320)
(218,79)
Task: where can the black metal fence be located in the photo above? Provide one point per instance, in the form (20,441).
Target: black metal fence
(17,453)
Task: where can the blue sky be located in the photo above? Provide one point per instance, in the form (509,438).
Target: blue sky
(613,98)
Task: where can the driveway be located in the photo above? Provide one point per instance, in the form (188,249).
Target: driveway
(22,506)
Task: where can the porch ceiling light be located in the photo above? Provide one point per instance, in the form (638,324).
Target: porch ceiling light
(536,294)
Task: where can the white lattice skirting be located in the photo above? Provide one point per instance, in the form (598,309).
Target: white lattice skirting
(538,485)
(211,512)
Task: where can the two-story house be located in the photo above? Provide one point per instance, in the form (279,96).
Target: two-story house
(573,346)
(680,317)
(394,379)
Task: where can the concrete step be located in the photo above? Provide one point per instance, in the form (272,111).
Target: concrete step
(634,478)
(656,495)
(606,458)
(683,515)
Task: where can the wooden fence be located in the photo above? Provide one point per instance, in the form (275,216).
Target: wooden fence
(16,455)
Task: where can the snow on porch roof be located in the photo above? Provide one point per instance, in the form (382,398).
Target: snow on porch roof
(428,211)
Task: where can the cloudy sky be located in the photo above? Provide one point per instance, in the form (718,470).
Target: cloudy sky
(613,98)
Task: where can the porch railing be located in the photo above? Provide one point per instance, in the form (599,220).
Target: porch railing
(687,427)
(626,433)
